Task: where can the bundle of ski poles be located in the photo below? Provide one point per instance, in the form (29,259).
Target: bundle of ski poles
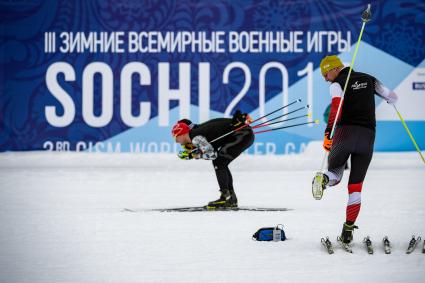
(270,122)
(273,120)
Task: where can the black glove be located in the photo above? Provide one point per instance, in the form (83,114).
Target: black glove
(188,146)
(239,118)
(196,151)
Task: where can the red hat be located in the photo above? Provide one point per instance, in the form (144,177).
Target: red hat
(179,129)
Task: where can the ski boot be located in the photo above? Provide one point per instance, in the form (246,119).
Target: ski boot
(227,199)
(319,184)
(347,232)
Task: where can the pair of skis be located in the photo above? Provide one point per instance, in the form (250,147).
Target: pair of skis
(207,209)
(347,247)
(369,247)
(329,247)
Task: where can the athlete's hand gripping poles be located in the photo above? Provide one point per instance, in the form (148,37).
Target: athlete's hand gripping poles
(409,133)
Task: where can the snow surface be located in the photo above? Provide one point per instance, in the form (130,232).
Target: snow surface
(62,220)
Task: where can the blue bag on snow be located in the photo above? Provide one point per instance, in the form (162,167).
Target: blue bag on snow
(270,234)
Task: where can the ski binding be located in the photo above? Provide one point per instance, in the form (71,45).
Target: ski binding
(346,247)
(367,241)
(328,245)
(412,244)
(387,245)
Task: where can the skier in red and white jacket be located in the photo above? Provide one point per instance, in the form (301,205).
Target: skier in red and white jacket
(354,133)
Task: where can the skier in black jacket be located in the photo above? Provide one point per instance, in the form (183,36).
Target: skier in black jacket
(354,134)
(198,142)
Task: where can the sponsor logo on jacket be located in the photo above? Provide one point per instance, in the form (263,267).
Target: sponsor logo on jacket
(357,85)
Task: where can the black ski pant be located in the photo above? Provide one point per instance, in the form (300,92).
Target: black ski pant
(354,141)
(234,146)
(357,142)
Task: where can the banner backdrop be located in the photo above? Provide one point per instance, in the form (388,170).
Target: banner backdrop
(113,76)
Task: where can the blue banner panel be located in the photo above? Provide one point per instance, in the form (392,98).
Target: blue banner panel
(114,76)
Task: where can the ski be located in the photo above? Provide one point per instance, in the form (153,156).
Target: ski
(205,208)
(423,248)
(387,245)
(346,247)
(367,241)
(412,244)
(328,245)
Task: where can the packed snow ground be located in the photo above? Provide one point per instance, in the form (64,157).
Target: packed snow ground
(62,220)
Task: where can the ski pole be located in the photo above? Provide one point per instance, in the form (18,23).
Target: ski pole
(298,100)
(285,127)
(259,125)
(245,125)
(409,133)
(366,16)
(286,120)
